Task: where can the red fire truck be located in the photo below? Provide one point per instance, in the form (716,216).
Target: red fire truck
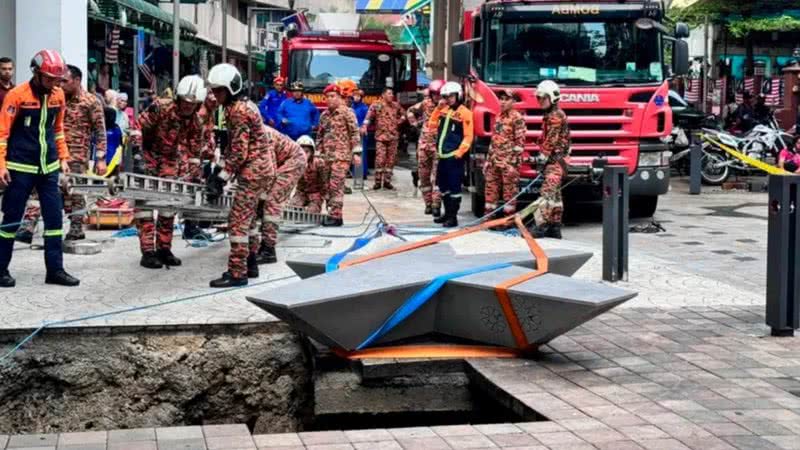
(608,57)
(318,58)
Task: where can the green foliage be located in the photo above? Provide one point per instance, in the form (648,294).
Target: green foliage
(740,17)
(371,23)
(742,27)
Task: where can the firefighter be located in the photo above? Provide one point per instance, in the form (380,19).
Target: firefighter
(554,147)
(249,159)
(290,160)
(453,122)
(84,123)
(33,151)
(171,133)
(339,144)
(311,186)
(387,115)
(501,170)
(418,116)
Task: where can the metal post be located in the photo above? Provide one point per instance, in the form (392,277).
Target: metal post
(615,223)
(453,27)
(224,31)
(136,51)
(249,52)
(695,157)
(176,43)
(438,23)
(704,70)
(783,250)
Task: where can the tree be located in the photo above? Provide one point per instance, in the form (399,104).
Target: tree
(741,18)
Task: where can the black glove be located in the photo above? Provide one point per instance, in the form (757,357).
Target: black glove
(214,188)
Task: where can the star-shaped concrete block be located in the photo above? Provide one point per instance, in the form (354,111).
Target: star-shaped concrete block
(342,308)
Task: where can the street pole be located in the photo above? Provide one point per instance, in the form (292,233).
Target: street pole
(249,54)
(136,76)
(224,31)
(176,43)
(704,71)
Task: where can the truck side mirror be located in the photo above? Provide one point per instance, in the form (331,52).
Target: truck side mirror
(680,58)
(461,54)
(681,30)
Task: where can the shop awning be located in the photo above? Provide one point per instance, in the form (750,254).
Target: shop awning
(142,13)
(389,6)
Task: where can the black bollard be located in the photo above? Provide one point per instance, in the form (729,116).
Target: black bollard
(695,155)
(783,249)
(615,223)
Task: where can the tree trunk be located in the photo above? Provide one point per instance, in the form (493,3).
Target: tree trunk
(749,61)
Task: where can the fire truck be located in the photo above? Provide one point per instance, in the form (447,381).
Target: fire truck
(318,58)
(609,59)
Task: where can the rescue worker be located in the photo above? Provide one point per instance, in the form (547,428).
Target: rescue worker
(453,122)
(297,115)
(33,148)
(360,109)
(84,123)
(339,144)
(501,170)
(249,159)
(268,107)
(171,131)
(290,160)
(311,186)
(554,147)
(418,116)
(387,115)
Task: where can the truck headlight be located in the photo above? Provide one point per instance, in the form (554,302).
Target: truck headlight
(654,159)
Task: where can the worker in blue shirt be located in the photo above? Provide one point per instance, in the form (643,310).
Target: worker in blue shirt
(297,115)
(359,107)
(272,101)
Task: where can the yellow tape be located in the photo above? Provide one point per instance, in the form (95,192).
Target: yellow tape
(772,170)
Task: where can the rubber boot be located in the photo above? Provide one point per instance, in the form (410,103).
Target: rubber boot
(266,254)
(452,215)
(167,258)
(554,231)
(252,266)
(428,210)
(441,218)
(24,236)
(75,231)
(151,261)
(227,281)
(540,231)
(6,280)
(332,221)
(388,185)
(436,211)
(61,278)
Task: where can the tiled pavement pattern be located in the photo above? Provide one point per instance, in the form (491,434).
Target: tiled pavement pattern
(683,378)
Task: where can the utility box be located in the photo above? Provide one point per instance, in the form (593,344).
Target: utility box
(783,251)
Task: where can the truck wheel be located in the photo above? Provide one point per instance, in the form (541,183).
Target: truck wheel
(642,207)
(478,204)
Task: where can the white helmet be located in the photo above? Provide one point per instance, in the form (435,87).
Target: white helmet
(192,89)
(549,89)
(306,141)
(227,76)
(450,88)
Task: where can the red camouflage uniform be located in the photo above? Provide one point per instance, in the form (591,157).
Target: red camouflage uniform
(554,144)
(426,153)
(167,141)
(311,187)
(387,117)
(291,164)
(250,158)
(501,170)
(337,136)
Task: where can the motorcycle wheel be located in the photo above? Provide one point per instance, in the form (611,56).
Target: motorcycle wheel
(713,176)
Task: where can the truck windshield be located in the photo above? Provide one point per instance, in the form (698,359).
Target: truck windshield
(318,68)
(574,53)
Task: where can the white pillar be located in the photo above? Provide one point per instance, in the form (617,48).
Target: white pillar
(8,40)
(55,24)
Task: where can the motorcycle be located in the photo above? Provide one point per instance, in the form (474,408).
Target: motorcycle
(764,141)
(680,143)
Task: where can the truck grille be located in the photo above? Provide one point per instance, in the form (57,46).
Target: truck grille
(580,112)
(582,126)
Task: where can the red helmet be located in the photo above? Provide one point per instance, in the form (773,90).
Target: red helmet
(50,63)
(435,87)
(333,88)
(279,79)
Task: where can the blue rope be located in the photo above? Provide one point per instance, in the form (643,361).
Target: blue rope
(419,298)
(333,262)
(47,324)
